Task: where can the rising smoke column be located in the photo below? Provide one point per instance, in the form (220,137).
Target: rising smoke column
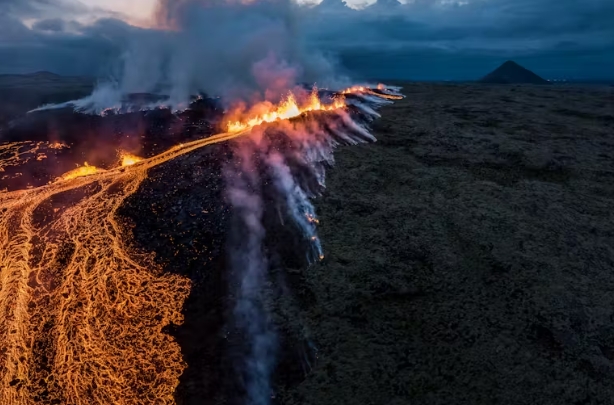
(256,160)
(249,267)
(239,50)
(245,188)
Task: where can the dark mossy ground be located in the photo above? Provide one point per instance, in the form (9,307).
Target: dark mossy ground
(21,93)
(470,254)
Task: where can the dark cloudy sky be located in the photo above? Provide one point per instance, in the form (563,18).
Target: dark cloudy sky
(420,40)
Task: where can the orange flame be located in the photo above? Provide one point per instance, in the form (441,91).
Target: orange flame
(366,90)
(128,159)
(354,89)
(81,171)
(265,112)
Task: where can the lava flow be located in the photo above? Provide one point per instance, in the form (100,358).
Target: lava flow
(266,112)
(128,159)
(82,315)
(85,170)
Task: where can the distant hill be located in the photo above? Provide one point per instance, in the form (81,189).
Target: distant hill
(384,5)
(333,6)
(510,73)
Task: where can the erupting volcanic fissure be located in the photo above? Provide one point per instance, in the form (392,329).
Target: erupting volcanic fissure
(289,108)
(82,313)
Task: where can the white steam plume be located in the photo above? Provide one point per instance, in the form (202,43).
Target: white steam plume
(249,50)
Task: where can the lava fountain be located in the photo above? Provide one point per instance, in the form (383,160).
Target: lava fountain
(83,313)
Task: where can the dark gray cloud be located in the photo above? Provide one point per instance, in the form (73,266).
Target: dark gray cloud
(55,42)
(42,8)
(51,24)
(218,40)
(430,40)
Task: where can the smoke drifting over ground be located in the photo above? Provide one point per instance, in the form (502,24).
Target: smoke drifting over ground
(280,169)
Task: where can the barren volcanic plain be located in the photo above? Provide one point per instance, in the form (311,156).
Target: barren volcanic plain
(470,253)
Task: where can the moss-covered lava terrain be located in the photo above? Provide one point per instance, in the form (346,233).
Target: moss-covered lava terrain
(470,253)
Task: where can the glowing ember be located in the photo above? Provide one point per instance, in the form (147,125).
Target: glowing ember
(312,219)
(58,145)
(85,170)
(128,159)
(289,108)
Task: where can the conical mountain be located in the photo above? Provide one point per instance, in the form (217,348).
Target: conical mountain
(511,73)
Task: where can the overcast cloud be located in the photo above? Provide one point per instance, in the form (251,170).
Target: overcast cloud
(422,40)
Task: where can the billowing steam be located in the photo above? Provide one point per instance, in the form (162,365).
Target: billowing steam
(249,267)
(248,50)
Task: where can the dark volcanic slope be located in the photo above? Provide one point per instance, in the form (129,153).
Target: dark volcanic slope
(179,213)
(98,140)
(512,73)
(21,93)
(470,254)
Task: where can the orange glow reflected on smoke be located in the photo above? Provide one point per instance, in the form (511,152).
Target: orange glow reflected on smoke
(266,112)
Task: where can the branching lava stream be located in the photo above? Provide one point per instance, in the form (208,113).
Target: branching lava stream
(74,295)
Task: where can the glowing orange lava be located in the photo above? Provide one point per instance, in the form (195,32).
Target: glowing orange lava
(82,315)
(354,89)
(266,112)
(81,171)
(58,145)
(128,159)
(383,93)
(19,153)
